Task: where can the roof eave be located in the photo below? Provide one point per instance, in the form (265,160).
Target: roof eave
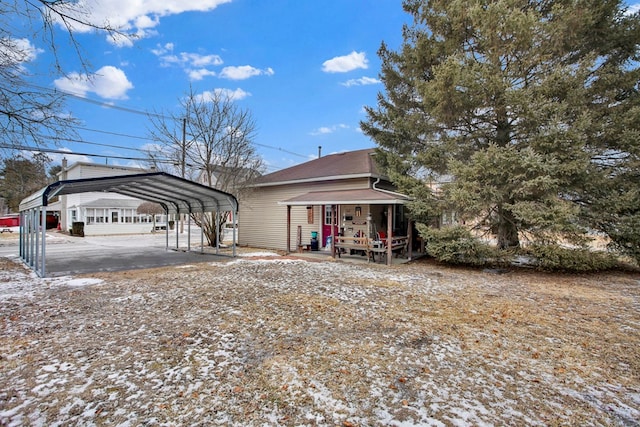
(319,179)
(346,202)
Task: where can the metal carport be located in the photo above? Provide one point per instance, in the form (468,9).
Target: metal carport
(176,195)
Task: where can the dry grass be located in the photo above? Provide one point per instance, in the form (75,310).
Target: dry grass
(297,343)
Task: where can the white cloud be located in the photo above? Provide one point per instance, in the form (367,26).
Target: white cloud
(243,72)
(325,130)
(161,50)
(343,64)
(197,60)
(199,74)
(362,81)
(234,95)
(108,82)
(634,8)
(17,51)
(194,64)
(56,158)
(137,17)
(185,59)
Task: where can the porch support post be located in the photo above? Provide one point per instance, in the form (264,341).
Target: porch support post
(334,220)
(389,231)
(288,228)
(410,238)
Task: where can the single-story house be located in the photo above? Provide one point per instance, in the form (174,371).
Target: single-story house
(341,194)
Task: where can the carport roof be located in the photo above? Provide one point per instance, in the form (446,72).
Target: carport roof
(175,194)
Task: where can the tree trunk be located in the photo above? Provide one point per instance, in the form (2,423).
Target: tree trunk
(507,230)
(206,221)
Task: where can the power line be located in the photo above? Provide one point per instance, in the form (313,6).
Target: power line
(99,103)
(140,112)
(83,141)
(141,159)
(145,138)
(51,150)
(281,149)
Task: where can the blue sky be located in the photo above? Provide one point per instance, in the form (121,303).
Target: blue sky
(305,69)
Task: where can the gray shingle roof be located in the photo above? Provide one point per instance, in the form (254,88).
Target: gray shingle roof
(358,163)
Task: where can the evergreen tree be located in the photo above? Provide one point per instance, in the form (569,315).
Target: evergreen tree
(528,109)
(20,177)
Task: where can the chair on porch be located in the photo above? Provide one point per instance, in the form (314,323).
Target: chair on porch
(398,244)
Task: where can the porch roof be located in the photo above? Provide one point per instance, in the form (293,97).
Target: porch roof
(365,196)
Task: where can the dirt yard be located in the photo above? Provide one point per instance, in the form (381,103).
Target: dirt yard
(275,341)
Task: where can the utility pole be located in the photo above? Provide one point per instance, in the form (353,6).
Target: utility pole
(184,144)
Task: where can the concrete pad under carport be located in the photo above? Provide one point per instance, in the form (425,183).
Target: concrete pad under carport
(65,264)
(68,255)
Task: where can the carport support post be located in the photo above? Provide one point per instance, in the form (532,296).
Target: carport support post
(217,225)
(202,235)
(189,232)
(27,236)
(166,230)
(33,233)
(43,212)
(182,225)
(36,249)
(233,222)
(21,240)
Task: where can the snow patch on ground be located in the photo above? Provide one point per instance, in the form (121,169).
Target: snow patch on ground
(258,254)
(23,282)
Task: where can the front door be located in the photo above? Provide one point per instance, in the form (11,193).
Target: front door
(326,224)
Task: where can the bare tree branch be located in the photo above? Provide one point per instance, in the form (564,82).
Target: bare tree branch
(212,140)
(32,115)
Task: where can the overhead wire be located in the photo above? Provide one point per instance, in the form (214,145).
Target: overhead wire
(75,153)
(84,141)
(133,111)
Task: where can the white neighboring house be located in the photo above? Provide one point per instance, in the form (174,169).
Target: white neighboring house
(102,213)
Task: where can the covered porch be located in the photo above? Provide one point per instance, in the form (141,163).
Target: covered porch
(370,221)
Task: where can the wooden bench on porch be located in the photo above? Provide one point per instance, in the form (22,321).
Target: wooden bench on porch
(349,244)
(369,246)
(398,246)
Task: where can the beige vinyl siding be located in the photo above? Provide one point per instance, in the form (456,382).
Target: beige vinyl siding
(262,222)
